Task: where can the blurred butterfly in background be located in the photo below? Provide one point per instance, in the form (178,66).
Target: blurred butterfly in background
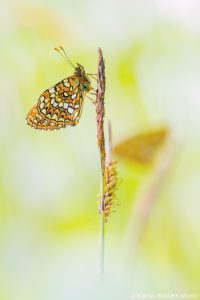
(61,105)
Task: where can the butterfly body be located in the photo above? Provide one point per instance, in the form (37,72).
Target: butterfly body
(61,105)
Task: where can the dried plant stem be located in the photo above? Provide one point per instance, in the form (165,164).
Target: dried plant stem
(100,112)
(108,167)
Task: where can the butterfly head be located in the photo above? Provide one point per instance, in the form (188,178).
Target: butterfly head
(84,79)
(80,69)
(80,73)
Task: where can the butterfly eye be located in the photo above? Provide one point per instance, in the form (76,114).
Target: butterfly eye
(85,87)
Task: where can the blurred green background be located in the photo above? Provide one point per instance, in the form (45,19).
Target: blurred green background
(49,181)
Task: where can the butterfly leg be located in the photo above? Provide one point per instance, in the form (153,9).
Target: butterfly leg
(94,76)
(95,94)
(93,101)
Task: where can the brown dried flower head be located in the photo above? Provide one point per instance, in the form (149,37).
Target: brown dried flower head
(111,181)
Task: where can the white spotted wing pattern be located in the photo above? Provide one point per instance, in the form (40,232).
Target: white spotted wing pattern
(60,105)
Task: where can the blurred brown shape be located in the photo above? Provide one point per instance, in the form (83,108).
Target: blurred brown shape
(142,147)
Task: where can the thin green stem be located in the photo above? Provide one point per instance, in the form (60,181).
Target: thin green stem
(102,222)
(102,244)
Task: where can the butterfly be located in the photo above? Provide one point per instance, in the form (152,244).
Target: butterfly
(61,105)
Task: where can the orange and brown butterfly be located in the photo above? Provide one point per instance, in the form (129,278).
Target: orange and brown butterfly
(61,105)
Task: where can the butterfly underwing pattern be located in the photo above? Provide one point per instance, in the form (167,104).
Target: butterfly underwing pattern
(61,105)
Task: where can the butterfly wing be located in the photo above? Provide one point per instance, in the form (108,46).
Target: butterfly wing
(58,106)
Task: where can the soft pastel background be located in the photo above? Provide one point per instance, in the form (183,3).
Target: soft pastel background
(49,181)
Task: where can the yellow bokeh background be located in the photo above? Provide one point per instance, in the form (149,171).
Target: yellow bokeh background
(49,223)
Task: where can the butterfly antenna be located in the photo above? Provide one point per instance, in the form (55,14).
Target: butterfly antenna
(64,56)
(63,50)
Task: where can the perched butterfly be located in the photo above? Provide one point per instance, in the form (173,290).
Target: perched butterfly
(61,105)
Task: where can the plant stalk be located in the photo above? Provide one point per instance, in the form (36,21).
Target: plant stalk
(100,112)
